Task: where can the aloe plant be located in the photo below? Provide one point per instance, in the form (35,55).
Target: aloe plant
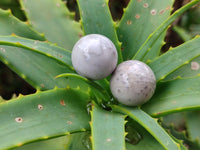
(69,111)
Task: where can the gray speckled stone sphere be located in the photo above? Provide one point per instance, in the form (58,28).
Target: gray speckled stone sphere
(94,56)
(133,83)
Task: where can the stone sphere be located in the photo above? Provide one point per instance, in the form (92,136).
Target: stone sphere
(133,83)
(94,56)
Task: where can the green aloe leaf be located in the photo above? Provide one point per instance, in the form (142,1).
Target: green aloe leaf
(148,142)
(150,124)
(181,135)
(52,53)
(80,141)
(59,143)
(54,20)
(143,140)
(182,146)
(107,130)
(40,46)
(185,35)
(43,115)
(191,69)
(100,24)
(39,71)
(140,19)
(176,120)
(146,48)
(11,25)
(2,100)
(4,3)
(174,96)
(100,93)
(175,58)
(193,124)
(155,49)
(14,7)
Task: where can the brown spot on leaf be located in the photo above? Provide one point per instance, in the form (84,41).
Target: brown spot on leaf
(58,5)
(168,7)
(69,122)
(195,65)
(19,119)
(62,102)
(128,22)
(108,140)
(40,107)
(2,49)
(80,35)
(60,56)
(145,5)
(137,16)
(161,11)
(153,12)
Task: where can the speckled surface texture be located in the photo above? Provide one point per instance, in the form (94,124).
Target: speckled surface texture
(133,83)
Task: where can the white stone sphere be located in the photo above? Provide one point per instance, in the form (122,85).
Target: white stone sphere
(94,56)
